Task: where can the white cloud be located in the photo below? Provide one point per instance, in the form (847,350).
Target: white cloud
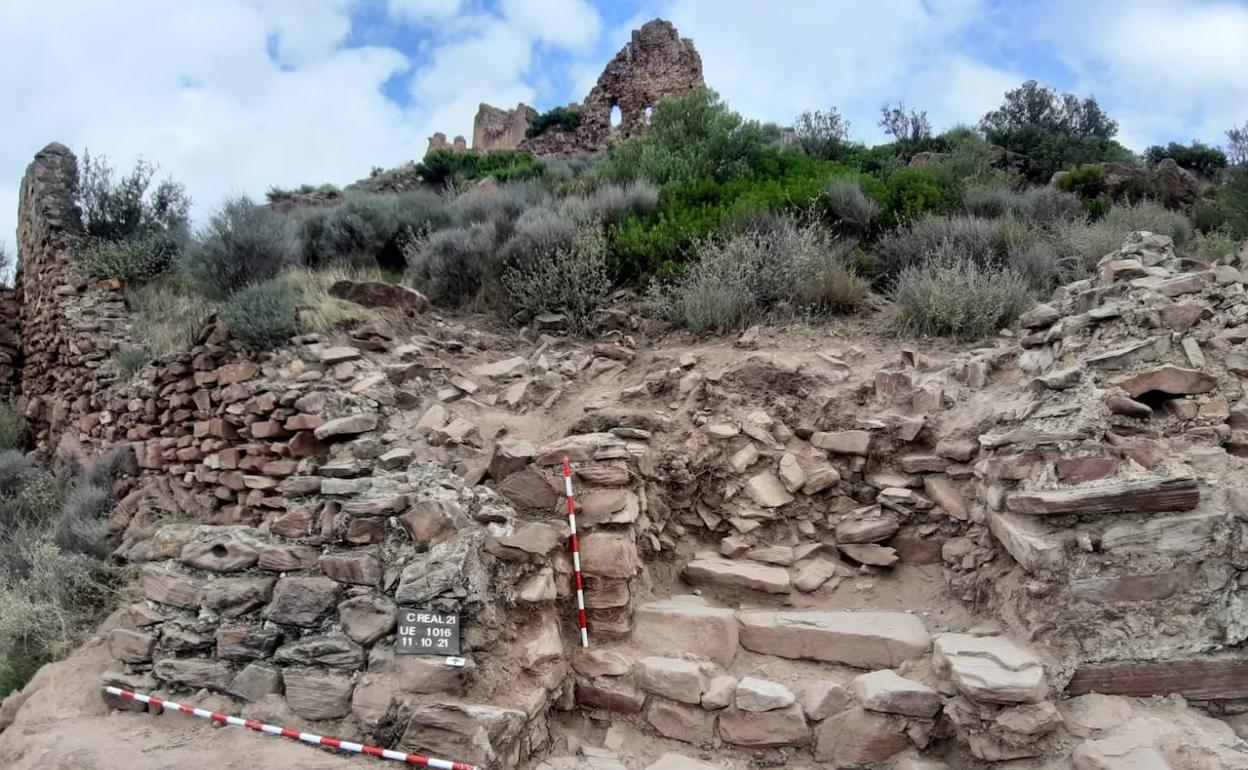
(423,10)
(570,24)
(851,55)
(192,87)
(1166,69)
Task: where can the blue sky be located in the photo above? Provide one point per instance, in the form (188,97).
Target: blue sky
(233,96)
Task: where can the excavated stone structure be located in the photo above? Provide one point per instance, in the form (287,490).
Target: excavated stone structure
(655,64)
(1079,482)
(499,129)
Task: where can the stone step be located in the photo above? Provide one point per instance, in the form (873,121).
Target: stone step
(861,639)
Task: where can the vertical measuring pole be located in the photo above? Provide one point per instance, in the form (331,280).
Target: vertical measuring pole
(576,555)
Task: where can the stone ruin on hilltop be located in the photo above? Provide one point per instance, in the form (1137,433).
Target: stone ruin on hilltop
(655,64)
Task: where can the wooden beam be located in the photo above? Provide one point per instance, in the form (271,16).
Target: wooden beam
(1206,678)
(1154,495)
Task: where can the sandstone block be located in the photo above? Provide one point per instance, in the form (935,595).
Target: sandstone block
(759,695)
(846,442)
(862,639)
(686,624)
(715,571)
(782,727)
(857,738)
(888,693)
(719,693)
(679,680)
(256,682)
(991,669)
(194,673)
(681,722)
(164,587)
(609,554)
(343,427)
(302,601)
(131,646)
(365,619)
(245,642)
(821,700)
(316,694)
(356,568)
(232,597)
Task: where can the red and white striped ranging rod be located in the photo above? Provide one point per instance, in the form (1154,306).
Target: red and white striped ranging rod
(316,740)
(576,555)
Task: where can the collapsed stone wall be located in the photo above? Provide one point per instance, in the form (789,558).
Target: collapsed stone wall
(498,129)
(655,64)
(68,327)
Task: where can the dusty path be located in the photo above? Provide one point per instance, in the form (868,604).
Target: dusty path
(65,725)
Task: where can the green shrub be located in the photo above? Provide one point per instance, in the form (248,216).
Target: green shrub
(368,231)
(1213,247)
(1197,156)
(1152,217)
(559,118)
(133,261)
(131,360)
(116,208)
(262,315)
(691,138)
(569,278)
(982,241)
(1233,199)
(242,244)
(12,427)
(1036,205)
(1081,245)
(957,297)
(915,192)
(1084,181)
(1052,131)
(822,134)
(452,265)
(443,167)
(850,207)
(739,279)
(281,195)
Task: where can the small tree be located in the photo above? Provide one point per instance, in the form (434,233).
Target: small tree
(908,128)
(1237,145)
(128,206)
(822,134)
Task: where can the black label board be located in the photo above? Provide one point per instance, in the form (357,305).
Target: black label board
(427,632)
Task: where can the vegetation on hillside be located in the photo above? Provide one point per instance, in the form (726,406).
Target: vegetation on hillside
(703,212)
(56,579)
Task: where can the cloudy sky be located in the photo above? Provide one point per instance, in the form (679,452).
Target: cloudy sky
(237,95)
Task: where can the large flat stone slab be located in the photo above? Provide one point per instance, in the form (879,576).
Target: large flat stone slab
(863,639)
(686,624)
(714,571)
(1214,677)
(1151,495)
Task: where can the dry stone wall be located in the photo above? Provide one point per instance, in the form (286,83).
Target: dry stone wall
(10,345)
(68,326)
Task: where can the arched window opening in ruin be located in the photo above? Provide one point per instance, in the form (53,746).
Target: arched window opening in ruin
(616,116)
(647,114)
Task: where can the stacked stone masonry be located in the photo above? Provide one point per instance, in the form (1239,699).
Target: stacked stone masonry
(284,508)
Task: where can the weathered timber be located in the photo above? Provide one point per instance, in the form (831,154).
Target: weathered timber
(1205,678)
(1154,495)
